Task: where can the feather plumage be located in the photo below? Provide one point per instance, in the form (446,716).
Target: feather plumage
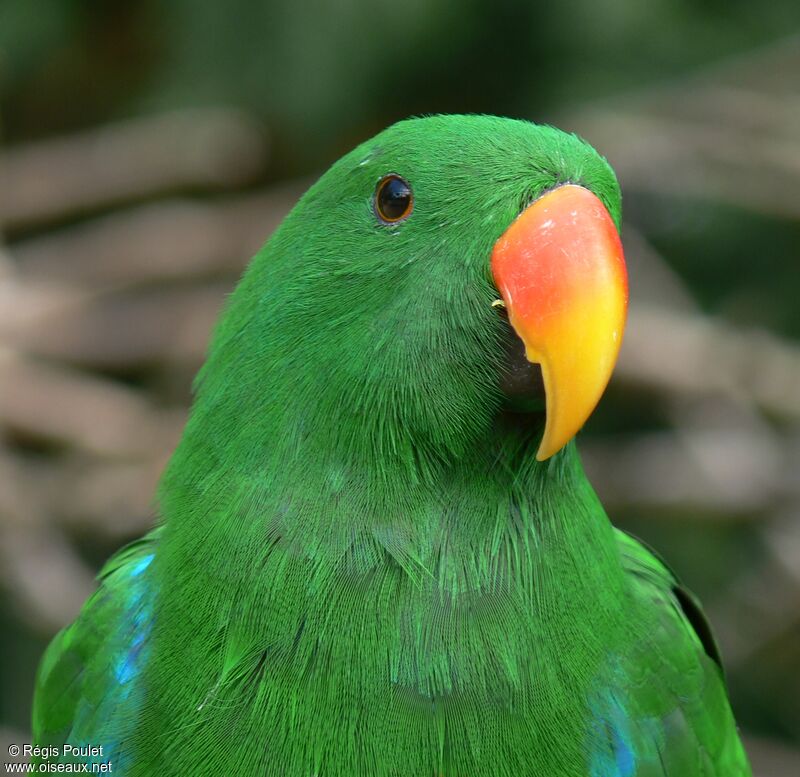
(361,568)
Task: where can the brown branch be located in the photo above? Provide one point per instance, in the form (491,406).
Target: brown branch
(48,402)
(730,133)
(686,158)
(690,354)
(128,330)
(761,607)
(47,581)
(85,494)
(52,179)
(729,474)
(158,242)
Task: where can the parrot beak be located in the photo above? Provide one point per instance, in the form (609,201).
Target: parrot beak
(561,273)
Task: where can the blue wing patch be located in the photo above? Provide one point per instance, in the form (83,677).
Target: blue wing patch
(102,724)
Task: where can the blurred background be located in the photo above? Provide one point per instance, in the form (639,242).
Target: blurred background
(148,148)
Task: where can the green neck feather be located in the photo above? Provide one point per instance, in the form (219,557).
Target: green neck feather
(484,584)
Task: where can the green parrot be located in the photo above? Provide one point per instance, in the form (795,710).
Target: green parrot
(377,552)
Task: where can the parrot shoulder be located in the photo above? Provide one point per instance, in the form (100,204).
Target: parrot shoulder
(672,700)
(655,578)
(88,662)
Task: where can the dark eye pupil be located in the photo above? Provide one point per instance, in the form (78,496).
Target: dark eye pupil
(393,198)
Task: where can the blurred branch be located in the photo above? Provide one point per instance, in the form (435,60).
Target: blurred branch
(89,495)
(127,330)
(701,158)
(54,179)
(49,402)
(730,133)
(691,354)
(652,281)
(761,606)
(109,498)
(47,581)
(727,473)
(158,242)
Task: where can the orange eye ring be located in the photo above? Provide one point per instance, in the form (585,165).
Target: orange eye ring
(394,200)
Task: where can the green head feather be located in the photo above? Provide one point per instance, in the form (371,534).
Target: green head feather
(377,342)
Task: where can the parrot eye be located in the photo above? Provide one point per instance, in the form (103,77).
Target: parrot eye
(394,200)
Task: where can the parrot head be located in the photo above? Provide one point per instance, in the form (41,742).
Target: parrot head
(449,270)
